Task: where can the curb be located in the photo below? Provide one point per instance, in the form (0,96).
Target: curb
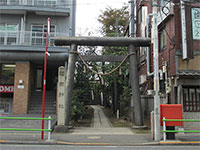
(108,144)
(180,143)
(29,142)
(53,142)
(73,143)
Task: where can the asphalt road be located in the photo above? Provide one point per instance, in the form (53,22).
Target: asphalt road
(75,147)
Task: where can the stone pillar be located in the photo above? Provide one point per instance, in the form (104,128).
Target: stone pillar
(60,96)
(21,88)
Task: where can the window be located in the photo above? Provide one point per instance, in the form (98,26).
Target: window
(7,72)
(4,107)
(45,2)
(39,35)
(191,99)
(162,39)
(8,34)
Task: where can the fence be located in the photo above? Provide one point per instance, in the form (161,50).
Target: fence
(28,38)
(184,120)
(25,129)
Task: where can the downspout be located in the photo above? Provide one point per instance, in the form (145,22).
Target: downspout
(23,23)
(148,49)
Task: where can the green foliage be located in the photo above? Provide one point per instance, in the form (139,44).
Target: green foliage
(108,20)
(77,105)
(126,96)
(82,90)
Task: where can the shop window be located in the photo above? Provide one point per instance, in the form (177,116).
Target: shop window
(4,107)
(162,39)
(7,72)
(191,99)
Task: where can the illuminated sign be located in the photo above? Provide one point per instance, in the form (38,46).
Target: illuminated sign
(6,88)
(196,23)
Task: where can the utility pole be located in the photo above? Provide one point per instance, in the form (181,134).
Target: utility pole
(156,73)
(132,19)
(136,107)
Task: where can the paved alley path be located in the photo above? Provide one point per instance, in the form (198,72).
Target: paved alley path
(100,120)
(101,125)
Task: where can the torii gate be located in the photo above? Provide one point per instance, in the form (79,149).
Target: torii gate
(130,42)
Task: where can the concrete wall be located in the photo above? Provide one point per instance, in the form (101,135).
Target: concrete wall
(62,23)
(148,105)
(191,115)
(190,64)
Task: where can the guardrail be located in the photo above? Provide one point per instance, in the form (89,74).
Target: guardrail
(25,129)
(184,120)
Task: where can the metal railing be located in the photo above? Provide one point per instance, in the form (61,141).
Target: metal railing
(36,3)
(27,38)
(183,120)
(25,129)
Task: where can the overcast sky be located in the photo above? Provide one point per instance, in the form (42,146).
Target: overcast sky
(87,12)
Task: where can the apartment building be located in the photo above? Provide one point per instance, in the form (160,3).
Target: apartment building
(23,26)
(179,53)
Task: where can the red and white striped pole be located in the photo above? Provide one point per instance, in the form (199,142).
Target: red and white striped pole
(45,70)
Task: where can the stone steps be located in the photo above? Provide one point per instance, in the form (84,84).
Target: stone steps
(35,105)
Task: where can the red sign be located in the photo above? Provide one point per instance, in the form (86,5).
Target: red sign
(6,88)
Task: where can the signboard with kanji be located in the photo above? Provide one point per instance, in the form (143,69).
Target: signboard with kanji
(196,23)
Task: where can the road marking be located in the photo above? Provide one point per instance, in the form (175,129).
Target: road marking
(94,137)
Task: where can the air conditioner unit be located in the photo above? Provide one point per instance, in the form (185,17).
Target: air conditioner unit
(150,92)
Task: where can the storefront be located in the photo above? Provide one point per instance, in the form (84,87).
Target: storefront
(7,72)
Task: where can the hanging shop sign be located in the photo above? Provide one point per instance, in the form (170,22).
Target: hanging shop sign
(6,88)
(196,23)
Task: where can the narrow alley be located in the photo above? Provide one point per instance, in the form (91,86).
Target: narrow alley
(101,125)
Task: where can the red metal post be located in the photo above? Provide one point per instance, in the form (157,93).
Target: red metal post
(44,80)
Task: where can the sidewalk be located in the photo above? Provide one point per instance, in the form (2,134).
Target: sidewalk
(102,133)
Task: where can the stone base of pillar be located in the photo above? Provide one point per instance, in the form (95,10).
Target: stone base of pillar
(61,129)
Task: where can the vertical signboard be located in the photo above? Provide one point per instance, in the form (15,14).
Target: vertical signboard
(196,23)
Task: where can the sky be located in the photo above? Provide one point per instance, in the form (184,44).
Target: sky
(87,12)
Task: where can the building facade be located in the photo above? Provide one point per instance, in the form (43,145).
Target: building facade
(23,27)
(179,53)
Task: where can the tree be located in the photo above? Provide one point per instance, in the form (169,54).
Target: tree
(108,19)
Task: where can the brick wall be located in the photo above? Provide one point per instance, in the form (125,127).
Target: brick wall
(21,94)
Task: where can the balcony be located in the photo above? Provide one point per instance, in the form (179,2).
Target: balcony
(40,7)
(27,38)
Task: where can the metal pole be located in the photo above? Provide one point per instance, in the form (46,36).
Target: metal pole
(44,82)
(164,128)
(49,127)
(135,98)
(70,82)
(156,73)
(132,18)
